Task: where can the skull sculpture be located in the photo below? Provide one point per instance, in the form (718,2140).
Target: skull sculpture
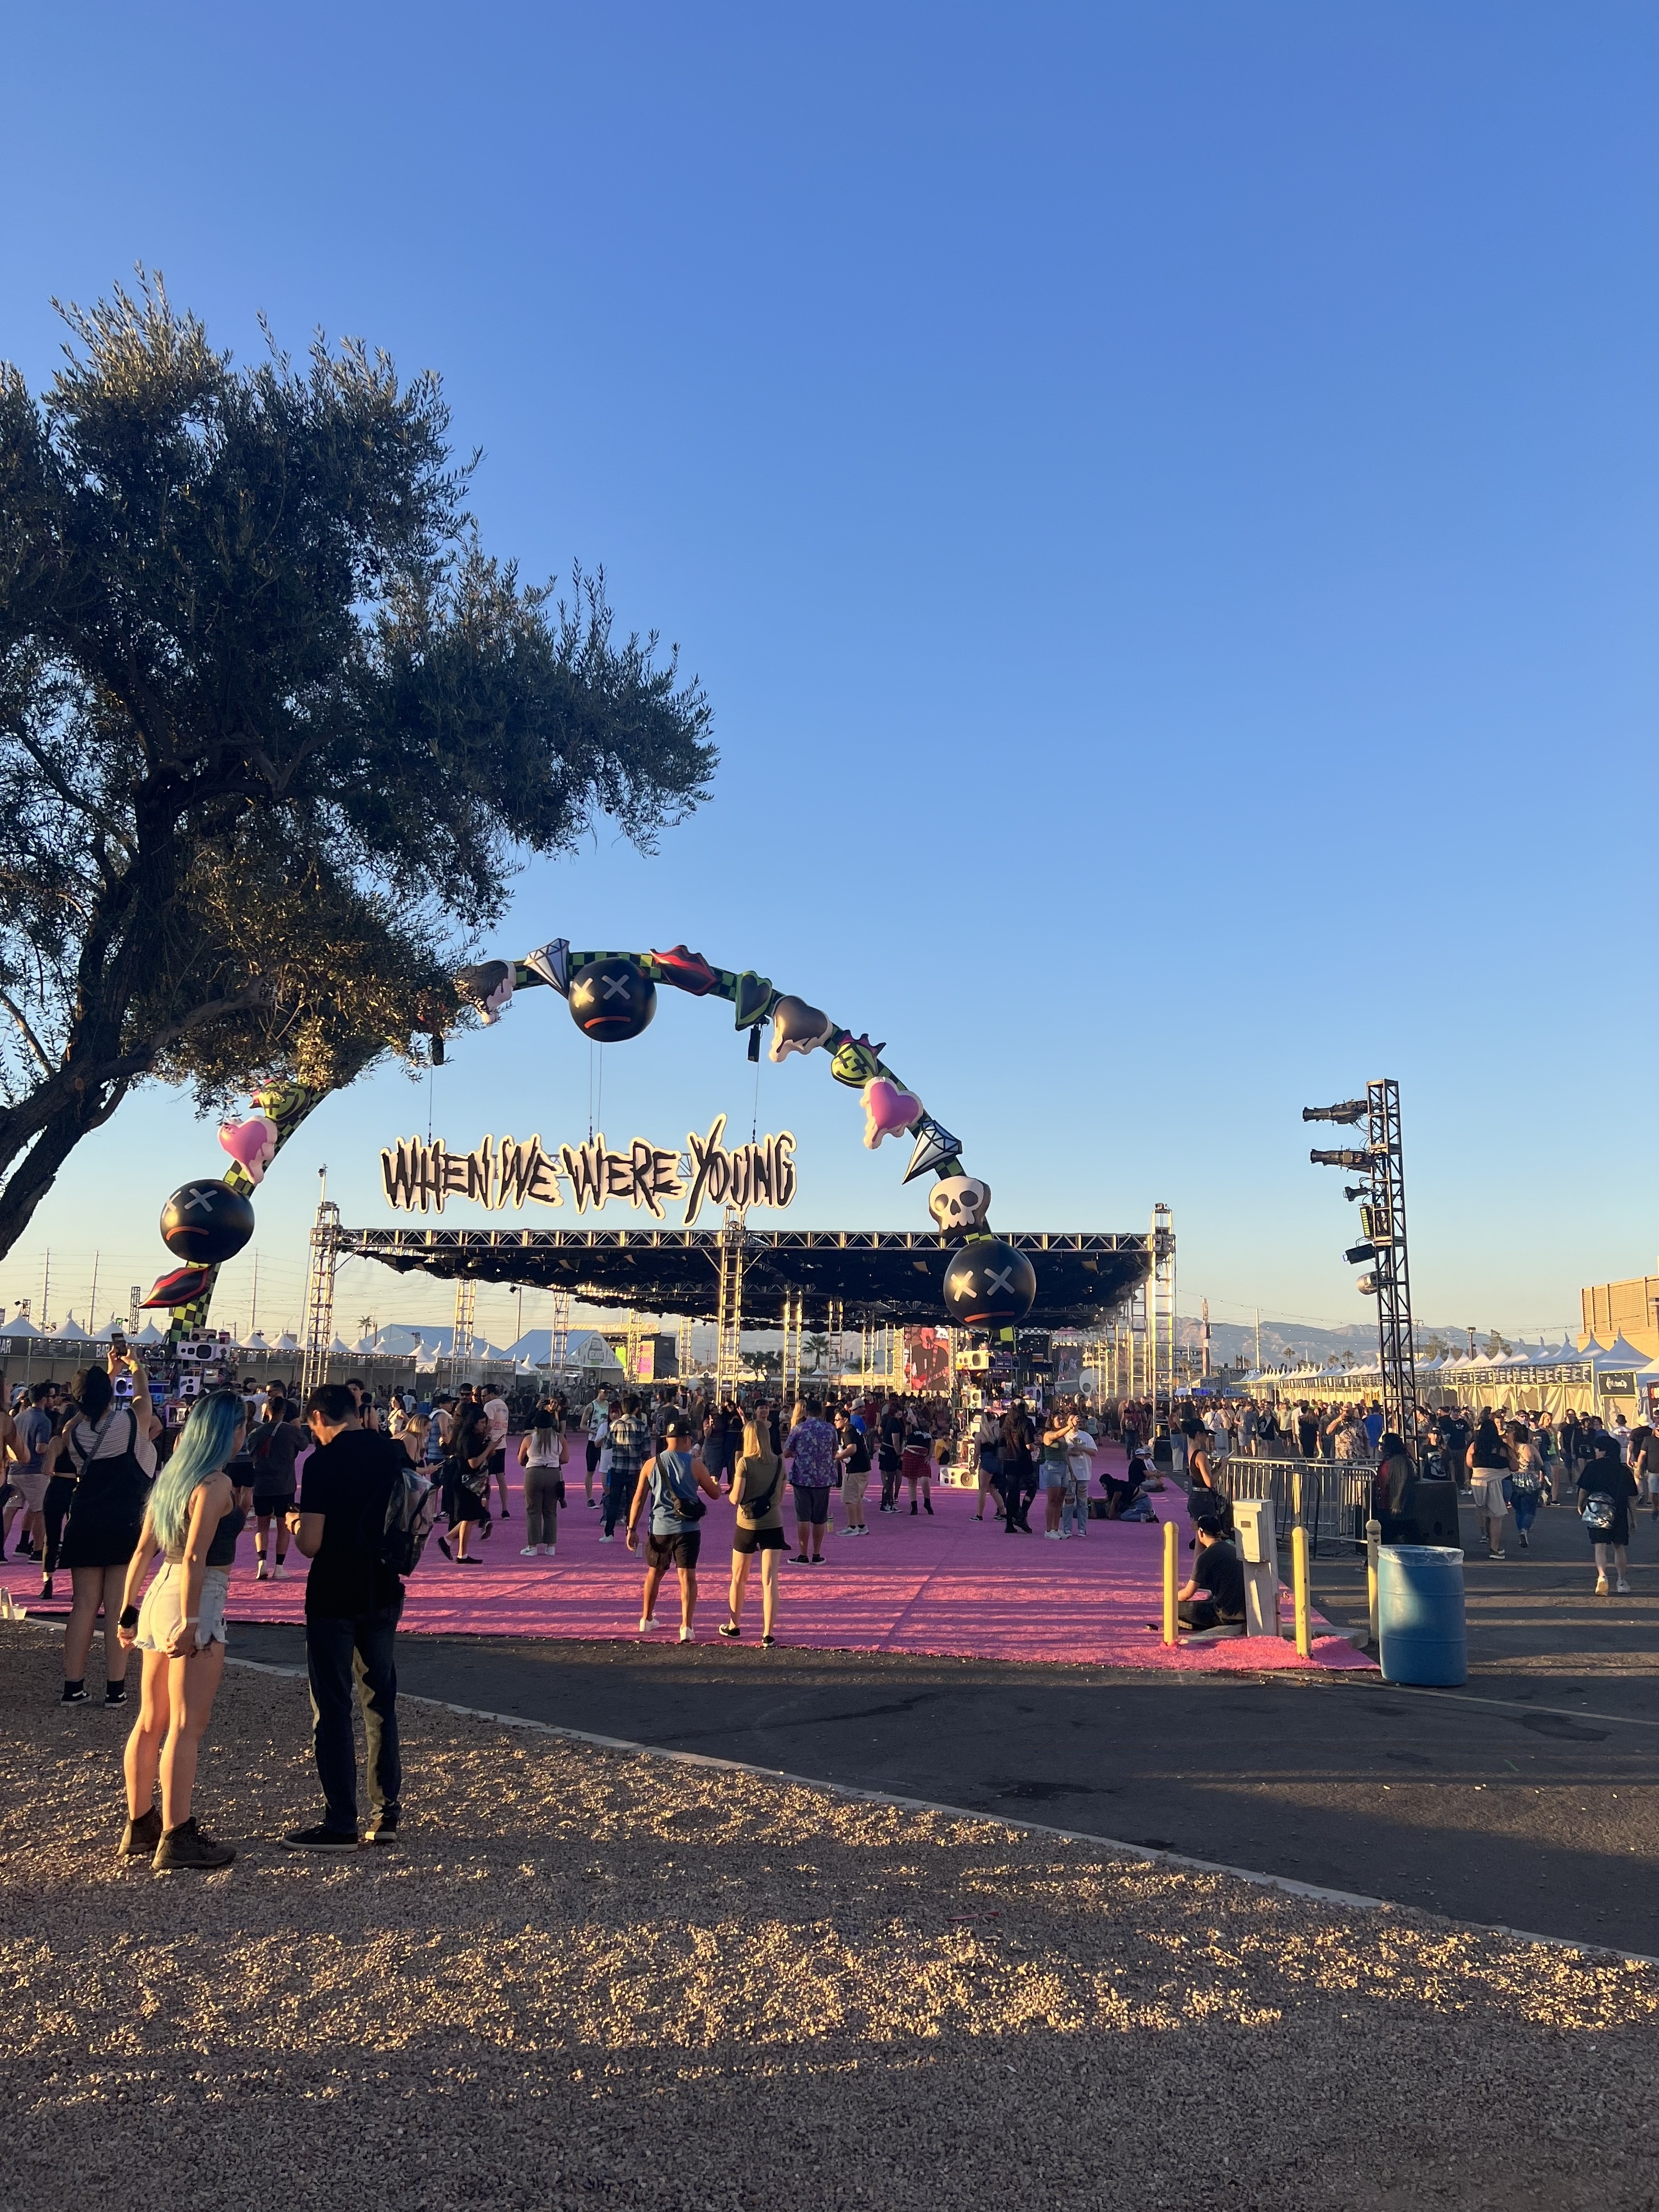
(959,1202)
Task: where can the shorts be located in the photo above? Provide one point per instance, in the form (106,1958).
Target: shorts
(852,1486)
(758,1540)
(164,1600)
(1054,1474)
(812,1502)
(273,1507)
(498,1461)
(31,1486)
(679,1550)
(1489,1493)
(592,1454)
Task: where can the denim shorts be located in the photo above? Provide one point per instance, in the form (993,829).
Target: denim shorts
(811,1502)
(164,1602)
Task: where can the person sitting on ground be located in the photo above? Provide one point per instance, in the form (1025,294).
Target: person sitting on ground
(1124,1493)
(670,1481)
(1213,1594)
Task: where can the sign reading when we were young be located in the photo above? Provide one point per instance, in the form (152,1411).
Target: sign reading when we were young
(421,1175)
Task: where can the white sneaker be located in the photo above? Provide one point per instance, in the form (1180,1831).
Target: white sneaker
(1052,1537)
(548,1551)
(686,1636)
(262,1576)
(1600,1585)
(645,1623)
(1622,1587)
(604,1538)
(279,1572)
(528,1551)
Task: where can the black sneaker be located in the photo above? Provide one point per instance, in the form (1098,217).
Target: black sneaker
(321,1839)
(74,1693)
(185,1846)
(115,1694)
(140,1838)
(46,1586)
(382,1826)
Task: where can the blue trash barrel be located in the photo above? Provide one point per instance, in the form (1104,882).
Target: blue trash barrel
(1420,1614)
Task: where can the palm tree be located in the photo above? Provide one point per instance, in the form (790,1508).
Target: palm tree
(819,1348)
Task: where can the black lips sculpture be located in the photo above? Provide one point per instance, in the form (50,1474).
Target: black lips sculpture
(611,1000)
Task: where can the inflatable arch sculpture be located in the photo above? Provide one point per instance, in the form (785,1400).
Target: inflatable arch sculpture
(612,998)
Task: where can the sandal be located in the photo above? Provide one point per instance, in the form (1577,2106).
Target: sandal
(730,1628)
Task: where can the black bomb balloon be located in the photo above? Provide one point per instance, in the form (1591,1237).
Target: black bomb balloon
(206,1223)
(610,1000)
(988,1285)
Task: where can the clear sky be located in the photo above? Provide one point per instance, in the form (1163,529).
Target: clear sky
(1162,499)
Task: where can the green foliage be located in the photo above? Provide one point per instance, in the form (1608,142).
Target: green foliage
(276,732)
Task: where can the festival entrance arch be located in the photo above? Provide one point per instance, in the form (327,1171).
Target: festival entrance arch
(612,999)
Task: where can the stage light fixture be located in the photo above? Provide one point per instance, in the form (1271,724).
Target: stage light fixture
(1366,1286)
(1356,1163)
(1353,1190)
(1357,1255)
(1347,1109)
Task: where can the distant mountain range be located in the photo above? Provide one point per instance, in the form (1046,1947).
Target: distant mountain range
(1288,1344)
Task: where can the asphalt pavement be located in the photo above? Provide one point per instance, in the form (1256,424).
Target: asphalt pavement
(1529,1798)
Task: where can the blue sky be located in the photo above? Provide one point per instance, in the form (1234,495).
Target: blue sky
(1162,499)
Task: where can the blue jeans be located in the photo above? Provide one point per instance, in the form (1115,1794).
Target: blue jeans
(342,1655)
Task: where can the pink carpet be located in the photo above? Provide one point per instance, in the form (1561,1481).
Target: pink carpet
(946,1585)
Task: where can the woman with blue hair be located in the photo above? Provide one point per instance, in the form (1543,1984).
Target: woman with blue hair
(193,1519)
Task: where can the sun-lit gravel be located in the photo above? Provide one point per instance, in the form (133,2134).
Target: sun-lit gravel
(587,1978)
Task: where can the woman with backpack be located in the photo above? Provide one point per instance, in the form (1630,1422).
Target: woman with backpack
(193,1520)
(104,1446)
(758,1494)
(1526,1485)
(542,1456)
(1606,1488)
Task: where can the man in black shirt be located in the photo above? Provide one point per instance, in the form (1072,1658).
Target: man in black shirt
(1215,1592)
(353,1602)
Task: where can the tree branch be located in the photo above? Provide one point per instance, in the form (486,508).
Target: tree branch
(34,1043)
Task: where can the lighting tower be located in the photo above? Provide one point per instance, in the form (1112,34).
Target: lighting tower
(1383,1239)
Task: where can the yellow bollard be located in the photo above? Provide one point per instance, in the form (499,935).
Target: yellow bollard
(1171,1582)
(1373,1546)
(1299,1572)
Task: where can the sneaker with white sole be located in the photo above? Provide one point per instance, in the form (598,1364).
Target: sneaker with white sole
(686,1636)
(645,1623)
(1622,1587)
(279,1572)
(528,1551)
(1600,1585)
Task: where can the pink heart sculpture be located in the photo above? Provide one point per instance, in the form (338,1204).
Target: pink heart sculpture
(888,1108)
(252,1143)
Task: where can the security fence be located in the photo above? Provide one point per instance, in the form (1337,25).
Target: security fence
(1331,1498)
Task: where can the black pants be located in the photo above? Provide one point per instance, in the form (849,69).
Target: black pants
(342,1655)
(619,1488)
(1198,1612)
(54,1510)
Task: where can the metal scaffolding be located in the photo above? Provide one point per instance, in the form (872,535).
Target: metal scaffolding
(728,1317)
(320,1297)
(682,1346)
(558,1350)
(461,1338)
(633,1344)
(1383,1222)
(1162,1378)
(789,1378)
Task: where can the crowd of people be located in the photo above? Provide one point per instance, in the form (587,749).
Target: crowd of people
(144,1506)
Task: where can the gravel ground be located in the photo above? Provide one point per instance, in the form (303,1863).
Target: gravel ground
(589,1977)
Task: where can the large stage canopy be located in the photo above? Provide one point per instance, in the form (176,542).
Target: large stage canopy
(877,1275)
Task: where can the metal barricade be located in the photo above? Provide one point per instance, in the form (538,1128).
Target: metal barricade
(1331,1498)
